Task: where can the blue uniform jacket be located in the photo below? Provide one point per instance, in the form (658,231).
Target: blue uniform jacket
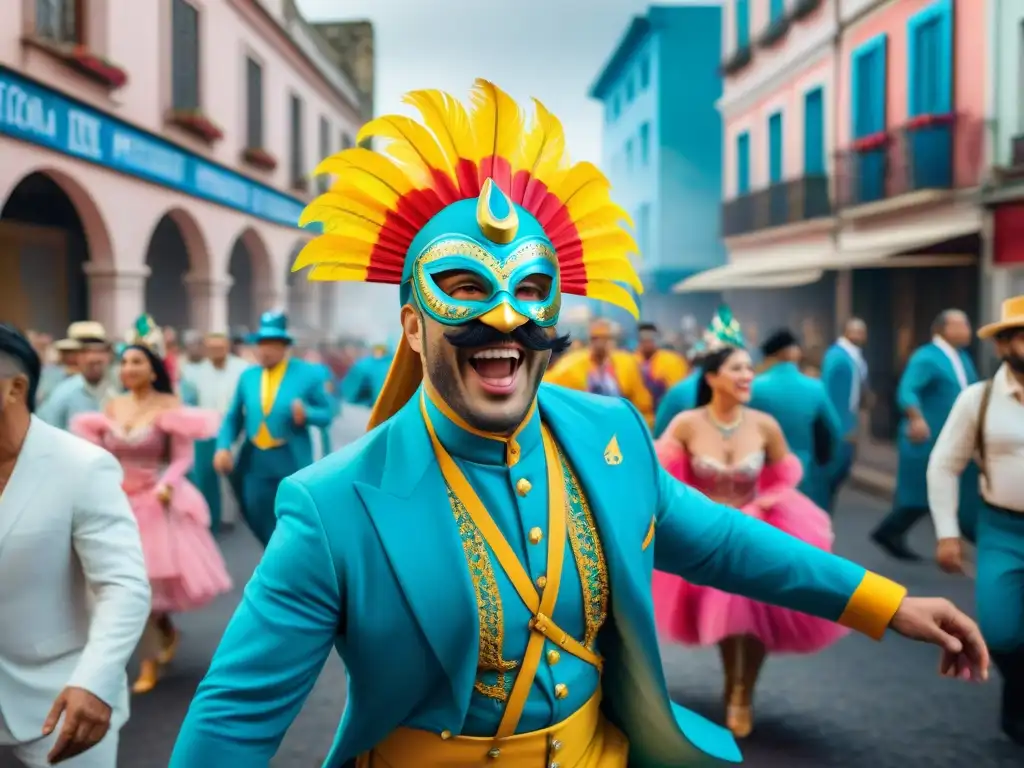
(930,385)
(365,379)
(367,559)
(680,397)
(302,381)
(797,401)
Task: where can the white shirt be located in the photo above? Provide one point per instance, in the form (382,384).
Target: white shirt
(862,367)
(1004,452)
(215,387)
(954,358)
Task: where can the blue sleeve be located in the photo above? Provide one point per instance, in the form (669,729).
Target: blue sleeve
(916,376)
(711,544)
(319,411)
(273,649)
(54,410)
(234,419)
(838,381)
(355,385)
(831,419)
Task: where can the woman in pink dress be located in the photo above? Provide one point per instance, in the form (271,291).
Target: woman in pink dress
(738,456)
(152,435)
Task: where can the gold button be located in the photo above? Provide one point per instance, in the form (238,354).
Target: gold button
(513,449)
(536,534)
(494,753)
(542,581)
(446,735)
(523,487)
(554,657)
(561,691)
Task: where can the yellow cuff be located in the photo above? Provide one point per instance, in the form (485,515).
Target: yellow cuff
(872,605)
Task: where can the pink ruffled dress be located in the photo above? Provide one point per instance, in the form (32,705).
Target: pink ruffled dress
(698,615)
(186,570)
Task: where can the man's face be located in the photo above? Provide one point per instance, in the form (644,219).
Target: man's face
(217,349)
(69,358)
(1011,350)
(93,364)
(270,353)
(958,330)
(857,334)
(648,344)
(170,338)
(13,390)
(195,350)
(490,385)
(601,343)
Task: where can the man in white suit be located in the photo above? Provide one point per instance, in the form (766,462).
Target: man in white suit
(74,594)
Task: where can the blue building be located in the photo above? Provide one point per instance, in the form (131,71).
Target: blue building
(662,149)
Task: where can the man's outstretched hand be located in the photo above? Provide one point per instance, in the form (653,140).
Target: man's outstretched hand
(937,621)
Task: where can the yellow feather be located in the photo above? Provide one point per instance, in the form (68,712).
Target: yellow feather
(543,152)
(405,130)
(587,199)
(332,248)
(497,121)
(611,215)
(614,270)
(330,203)
(368,162)
(359,229)
(448,119)
(613,294)
(615,241)
(331,273)
(578,177)
(368,190)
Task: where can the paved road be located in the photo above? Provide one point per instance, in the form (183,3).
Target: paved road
(857,705)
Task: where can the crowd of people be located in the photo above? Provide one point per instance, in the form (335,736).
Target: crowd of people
(495,560)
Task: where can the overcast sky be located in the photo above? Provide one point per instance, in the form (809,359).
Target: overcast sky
(548,49)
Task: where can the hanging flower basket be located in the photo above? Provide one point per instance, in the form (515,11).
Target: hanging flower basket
(738,61)
(196,123)
(259,158)
(96,68)
(804,8)
(918,122)
(871,143)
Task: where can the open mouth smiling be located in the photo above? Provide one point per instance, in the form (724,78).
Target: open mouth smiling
(496,368)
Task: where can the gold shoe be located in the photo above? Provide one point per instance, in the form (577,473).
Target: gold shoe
(739,718)
(149,675)
(170,646)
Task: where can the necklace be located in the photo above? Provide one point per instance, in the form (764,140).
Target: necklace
(726,430)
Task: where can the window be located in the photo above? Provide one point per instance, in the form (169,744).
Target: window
(616,106)
(298,161)
(346,141)
(184,56)
(775,148)
(814,133)
(629,155)
(742,164)
(323,181)
(776,10)
(645,143)
(741,11)
(254,104)
(60,20)
(643,229)
(630,89)
(645,73)
(868,89)
(929,56)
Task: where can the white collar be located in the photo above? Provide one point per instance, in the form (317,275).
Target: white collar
(1004,383)
(945,346)
(850,347)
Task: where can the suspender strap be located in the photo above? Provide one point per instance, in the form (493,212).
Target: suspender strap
(979,432)
(541,626)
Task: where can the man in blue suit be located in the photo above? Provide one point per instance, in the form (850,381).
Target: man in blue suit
(935,376)
(803,410)
(365,379)
(844,372)
(275,404)
(482,559)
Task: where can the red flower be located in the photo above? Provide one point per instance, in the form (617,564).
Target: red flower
(929,121)
(260,158)
(99,69)
(871,142)
(197,123)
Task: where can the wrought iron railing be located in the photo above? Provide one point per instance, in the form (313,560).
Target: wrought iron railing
(787,202)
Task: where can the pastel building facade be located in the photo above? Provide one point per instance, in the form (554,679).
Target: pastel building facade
(855,150)
(662,143)
(155,156)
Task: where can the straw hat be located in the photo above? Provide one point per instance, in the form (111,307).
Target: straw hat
(87,332)
(1012,317)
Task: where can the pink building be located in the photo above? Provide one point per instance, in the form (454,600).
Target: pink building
(855,146)
(156,155)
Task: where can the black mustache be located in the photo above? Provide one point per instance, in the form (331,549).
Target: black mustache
(530,335)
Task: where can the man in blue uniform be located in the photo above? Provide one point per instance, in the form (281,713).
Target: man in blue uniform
(935,376)
(482,559)
(803,410)
(275,404)
(364,381)
(844,373)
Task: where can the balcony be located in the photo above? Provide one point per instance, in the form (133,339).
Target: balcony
(931,152)
(788,202)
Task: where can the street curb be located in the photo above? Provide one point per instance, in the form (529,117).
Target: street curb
(872,481)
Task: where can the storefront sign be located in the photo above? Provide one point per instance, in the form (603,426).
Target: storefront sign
(38,115)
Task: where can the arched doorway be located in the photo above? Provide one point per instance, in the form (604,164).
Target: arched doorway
(176,248)
(249,269)
(303,311)
(44,245)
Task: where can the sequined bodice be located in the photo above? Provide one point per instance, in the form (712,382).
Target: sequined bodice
(732,483)
(143,452)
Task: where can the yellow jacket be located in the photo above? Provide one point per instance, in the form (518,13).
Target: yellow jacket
(572,370)
(667,367)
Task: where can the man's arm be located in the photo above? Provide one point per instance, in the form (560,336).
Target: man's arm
(272,651)
(319,412)
(915,378)
(838,381)
(54,410)
(950,454)
(107,542)
(234,419)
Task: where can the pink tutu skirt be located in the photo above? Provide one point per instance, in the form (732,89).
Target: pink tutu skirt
(186,569)
(696,615)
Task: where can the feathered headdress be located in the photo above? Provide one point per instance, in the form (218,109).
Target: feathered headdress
(379,201)
(724,330)
(146,333)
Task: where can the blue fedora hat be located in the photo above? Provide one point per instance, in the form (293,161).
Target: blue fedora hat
(273,327)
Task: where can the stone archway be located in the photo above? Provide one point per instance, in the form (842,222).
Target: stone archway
(50,231)
(251,291)
(303,300)
(177,252)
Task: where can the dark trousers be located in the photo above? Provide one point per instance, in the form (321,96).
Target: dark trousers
(265,472)
(898,523)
